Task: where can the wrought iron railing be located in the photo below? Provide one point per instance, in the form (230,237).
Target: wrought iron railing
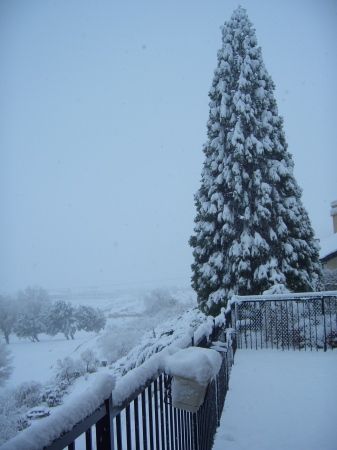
(145,418)
(286,321)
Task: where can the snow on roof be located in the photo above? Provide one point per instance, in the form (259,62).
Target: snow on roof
(328,246)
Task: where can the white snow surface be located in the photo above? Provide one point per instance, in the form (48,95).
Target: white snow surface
(280,400)
(42,433)
(328,246)
(195,363)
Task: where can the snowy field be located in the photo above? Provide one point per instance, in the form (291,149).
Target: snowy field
(36,360)
(280,400)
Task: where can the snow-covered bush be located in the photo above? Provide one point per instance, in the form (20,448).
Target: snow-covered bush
(67,369)
(162,336)
(277,288)
(53,395)
(330,280)
(158,300)
(28,394)
(89,357)
(9,415)
(117,341)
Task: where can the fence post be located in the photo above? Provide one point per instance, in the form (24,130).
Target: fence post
(324,324)
(104,429)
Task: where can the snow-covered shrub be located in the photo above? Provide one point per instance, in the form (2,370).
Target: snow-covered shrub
(67,369)
(277,288)
(312,332)
(330,280)
(116,342)
(28,394)
(53,396)
(22,423)
(158,300)
(164,335)
(89,357)
(9,415)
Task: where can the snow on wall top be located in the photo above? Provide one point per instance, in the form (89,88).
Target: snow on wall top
(273,297)
(328,246)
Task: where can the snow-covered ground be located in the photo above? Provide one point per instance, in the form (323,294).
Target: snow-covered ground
(36,360)
(280,400)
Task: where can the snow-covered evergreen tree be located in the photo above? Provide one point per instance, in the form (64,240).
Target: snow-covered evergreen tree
(251,229)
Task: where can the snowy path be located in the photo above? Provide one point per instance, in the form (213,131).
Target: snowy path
(280,400)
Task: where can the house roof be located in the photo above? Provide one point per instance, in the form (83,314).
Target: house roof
(328,246)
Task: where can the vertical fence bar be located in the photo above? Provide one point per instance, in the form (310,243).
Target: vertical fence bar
(293,323)
(310,303)
(119,432)
(136,419)
(316,324)
(104,429)
(88,439)
(150,410)
(128,427)
(156,413)
(171,427)
(324,324)
(162,416)
(143,399)
(167,420)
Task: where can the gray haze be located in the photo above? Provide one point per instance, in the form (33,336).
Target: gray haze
(103,116)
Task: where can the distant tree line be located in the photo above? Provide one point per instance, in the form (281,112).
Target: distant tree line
(32,312)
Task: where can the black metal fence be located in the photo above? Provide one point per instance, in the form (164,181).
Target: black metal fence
(294,321)
(147,420)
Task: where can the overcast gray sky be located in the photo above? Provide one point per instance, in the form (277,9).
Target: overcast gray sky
(102,120)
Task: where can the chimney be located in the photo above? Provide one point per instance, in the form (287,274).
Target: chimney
(333,213)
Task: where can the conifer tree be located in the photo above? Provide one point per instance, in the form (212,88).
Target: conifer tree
(251,229)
